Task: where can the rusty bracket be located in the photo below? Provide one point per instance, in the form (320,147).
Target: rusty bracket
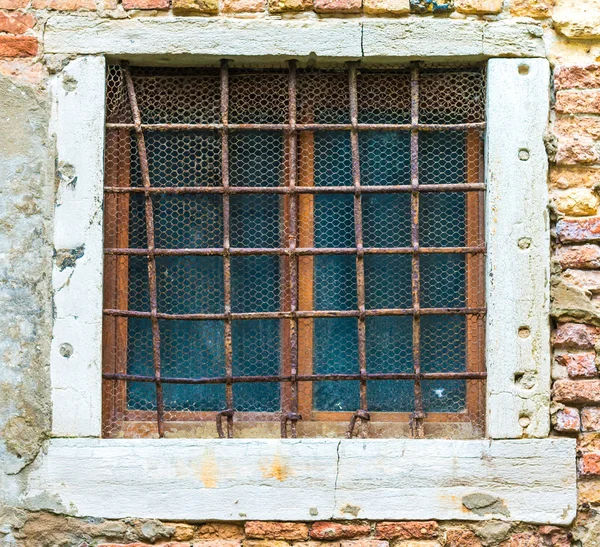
(361,415)
(228,413)
(291,417)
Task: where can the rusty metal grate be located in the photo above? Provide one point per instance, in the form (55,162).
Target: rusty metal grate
(294,246)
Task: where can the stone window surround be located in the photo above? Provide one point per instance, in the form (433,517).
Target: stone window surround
(312,479)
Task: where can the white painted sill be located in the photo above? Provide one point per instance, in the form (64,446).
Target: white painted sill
(309,479)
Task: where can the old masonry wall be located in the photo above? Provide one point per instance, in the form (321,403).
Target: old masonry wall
(28,180)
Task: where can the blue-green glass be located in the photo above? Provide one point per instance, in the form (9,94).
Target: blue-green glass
(389,349)
(388,281)
(188,349)
(384,158)
(256,158)
(256,351)
(336,351)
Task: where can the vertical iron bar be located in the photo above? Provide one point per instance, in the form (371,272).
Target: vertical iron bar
(149,211)
(292,244)
(226,243)
(358,234)
(418,415)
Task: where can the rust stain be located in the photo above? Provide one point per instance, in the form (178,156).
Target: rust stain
(277,470)
(209,470)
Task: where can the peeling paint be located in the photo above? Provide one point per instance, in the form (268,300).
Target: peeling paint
(66,258)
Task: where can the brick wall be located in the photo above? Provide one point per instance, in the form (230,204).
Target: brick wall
(572,32)
(574,179)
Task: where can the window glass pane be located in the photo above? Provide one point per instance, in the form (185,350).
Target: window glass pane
(335,282)
(255,284)
(255,220)
(336,351)
(389,349)
(386,220)
(256,158)
(332,158)
(388,281)
(178,279)
(256,352)
(384,158)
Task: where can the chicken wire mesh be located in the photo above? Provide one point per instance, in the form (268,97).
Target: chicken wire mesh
(294,252)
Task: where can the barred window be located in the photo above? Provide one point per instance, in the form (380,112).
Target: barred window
(294,251)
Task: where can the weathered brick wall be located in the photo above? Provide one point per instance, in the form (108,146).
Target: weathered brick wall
(572,35)
(49,530)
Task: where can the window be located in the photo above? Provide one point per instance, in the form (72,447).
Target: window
(294,250)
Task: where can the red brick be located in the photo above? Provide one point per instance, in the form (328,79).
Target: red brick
(169,544)
(218,543)
(531,8)
(576,391)
(335,530)
(16,22)
(590,419)
(65,5)
(583,257)
(220,530)
(578,230)
(589,464)
(579,365)
(578,149)
(588,442)
(554,536)
(562,177)
(276,530)
(461,538)
(407,530)
(576,336)
(580,125)
(567,420)
(146,4)
(589,491)
(523,539)
(578,102)
(337,6)
(364,543)
(18,46)
(582,76)
(243,6)
(13,4)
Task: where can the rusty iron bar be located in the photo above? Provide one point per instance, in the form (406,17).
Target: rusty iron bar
(149,214)
(418,414)
(226,254)
(299,251)
(361,413)
(300,126)
(405,189)
(302,314)
(375,376)
(292,242)
(291,190)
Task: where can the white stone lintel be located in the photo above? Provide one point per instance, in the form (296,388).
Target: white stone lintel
(194,39)
(310,479)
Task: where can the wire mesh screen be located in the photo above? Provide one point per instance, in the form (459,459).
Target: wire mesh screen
(294,252)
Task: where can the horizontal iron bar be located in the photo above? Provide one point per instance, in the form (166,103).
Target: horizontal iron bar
(299,251)
(300,126)
(404,188)
(303,378)
(292,315)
